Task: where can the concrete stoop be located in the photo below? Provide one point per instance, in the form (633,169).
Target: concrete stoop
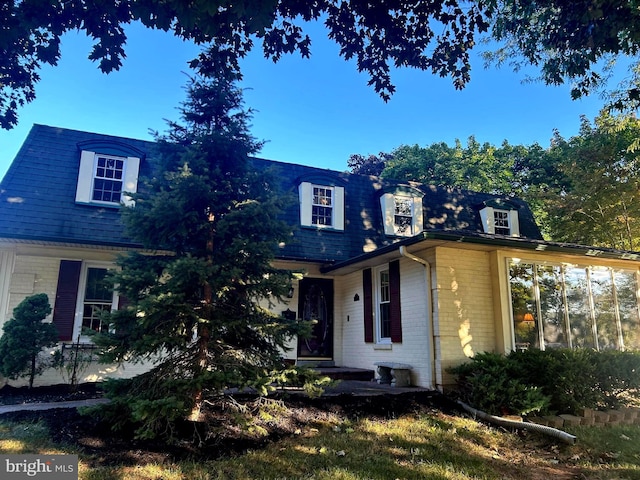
(590,417)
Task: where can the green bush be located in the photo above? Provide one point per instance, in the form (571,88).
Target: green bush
(25,336)
(490,383)
(551,381)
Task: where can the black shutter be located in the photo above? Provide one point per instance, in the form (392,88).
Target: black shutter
(394,301)
(64,311)
(368,305)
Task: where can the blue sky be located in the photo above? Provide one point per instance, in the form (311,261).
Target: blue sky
(315,111)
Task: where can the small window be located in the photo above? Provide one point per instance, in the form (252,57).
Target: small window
(322,206)
(107,182)
(501,222)
(403,215)
(384,306)
(98,298)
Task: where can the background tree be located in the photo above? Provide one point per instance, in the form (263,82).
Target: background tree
(599,204)
(196,310)
(480,167)
(25,336)
(369,165)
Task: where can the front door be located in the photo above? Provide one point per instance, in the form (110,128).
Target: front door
(315,304)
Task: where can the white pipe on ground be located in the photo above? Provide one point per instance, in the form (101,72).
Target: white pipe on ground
(534,427)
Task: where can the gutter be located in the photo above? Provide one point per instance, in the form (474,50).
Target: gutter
(431,340)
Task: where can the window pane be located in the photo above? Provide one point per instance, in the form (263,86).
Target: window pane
(384,306)
(107,185)
(524,307)
(501,222)
(580,323)
(604,308)
(552,305)
(626,288)
(98,298)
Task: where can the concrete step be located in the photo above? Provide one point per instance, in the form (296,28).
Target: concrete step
(346,373)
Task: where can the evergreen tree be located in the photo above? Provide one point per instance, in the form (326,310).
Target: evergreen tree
(25,336)
(195,305)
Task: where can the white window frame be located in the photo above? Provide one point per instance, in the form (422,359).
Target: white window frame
(488,218)
(388,208)
(87,176)
(82,286)
(379,300)
(305,191)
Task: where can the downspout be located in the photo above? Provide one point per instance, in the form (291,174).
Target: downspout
(431,354)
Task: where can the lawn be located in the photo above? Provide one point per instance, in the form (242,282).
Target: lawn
(382,439)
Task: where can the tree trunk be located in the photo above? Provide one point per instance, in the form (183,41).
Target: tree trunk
(204,334)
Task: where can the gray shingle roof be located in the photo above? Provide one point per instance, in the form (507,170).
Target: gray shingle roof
(37,201)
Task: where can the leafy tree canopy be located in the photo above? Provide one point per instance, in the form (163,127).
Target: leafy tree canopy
(599,203)
(570,40)
(434,36)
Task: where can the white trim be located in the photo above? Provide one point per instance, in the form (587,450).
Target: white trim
(85,177)
(7,261)
(130,180)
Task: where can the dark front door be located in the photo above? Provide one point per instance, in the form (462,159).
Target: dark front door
(315,304)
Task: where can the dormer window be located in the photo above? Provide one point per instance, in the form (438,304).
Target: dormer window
(502,225)
(105,179)
(321,206)
(402,212)
(500,218)
(107,182)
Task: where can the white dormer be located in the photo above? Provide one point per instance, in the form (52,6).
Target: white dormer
(107,173)
(401,209)
(500,218)
(321,205)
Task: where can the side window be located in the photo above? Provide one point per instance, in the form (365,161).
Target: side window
(98,298)
(106,179)
(383,302)
(321,206)
(382,311)
(401,214)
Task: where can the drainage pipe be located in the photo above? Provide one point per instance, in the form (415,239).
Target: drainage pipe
(534,427)
(431,339)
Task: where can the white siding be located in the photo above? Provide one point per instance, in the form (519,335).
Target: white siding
(413,350)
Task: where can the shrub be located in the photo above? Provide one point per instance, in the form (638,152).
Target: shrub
(25,336)
(551,381)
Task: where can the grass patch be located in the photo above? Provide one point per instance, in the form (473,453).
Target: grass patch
(420,445)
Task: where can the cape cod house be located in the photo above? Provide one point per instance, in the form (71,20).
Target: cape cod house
(394,272)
